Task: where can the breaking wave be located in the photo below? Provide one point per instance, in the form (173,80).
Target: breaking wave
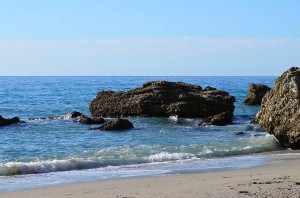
(126,155)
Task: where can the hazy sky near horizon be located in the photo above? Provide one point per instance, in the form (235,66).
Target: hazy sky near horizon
(157,37)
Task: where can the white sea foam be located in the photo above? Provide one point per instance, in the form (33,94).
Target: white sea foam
(174,118)
(63,117)
(165,156)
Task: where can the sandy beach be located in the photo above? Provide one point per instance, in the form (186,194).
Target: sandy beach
(276,180)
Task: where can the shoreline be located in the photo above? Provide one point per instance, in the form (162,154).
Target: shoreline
(33,181)
(281,179)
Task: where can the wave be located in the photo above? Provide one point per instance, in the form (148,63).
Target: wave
(17,168)
(174,118)
(165,156)
(63,117)
(179,120)
(142,154)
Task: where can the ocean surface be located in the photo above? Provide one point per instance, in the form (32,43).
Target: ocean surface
(52,151)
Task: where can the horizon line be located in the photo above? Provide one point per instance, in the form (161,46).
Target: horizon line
(138,76)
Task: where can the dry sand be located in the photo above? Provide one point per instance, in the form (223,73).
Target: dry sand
(276,180)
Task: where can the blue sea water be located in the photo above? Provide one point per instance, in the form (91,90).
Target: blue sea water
(61,150)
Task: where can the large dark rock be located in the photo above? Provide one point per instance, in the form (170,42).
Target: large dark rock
(93,120)
(115,125)
(221,119)
(7,122)
(256,94)
(280,109)
(162,99)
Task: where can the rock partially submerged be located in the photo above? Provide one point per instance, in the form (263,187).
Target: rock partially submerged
(91,120)
(115,125)
(75,114)
(221,119)
(9,121)
(280,109)
(256,94)
(162,99)
(83,119)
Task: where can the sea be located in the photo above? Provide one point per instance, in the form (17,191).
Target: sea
(50,148)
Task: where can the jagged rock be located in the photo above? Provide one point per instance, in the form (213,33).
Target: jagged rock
(221,119)
(93,120)
(7,122)
(162,99)
(280,109)
(256,94)
(115,125)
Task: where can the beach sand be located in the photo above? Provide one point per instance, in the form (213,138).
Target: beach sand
(276,180)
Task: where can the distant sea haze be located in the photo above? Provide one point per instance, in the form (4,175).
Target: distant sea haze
(62,149)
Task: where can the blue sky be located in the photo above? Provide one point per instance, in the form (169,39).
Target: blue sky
(157,37)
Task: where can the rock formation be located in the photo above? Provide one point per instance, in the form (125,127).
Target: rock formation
(7,122)
(221,119)
(115,125)
(256,94)
(162,99)
(280,109)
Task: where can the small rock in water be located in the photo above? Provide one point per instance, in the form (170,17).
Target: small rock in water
(76,114)
(7,122)
(115,125)
(239,133)
(93,120)
(256,94)
(218,120)
(249,128)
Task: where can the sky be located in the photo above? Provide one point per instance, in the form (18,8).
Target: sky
(149,37)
